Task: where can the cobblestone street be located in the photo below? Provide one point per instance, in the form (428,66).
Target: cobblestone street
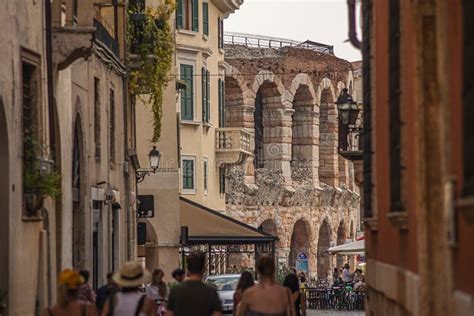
(315,312)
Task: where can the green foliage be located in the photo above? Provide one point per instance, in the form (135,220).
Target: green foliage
(34,181)
(281,274)
(155,49)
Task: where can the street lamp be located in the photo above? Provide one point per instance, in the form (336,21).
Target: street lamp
(347,108)
(154,163)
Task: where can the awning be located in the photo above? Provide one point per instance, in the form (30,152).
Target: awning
(352,248)
(206,226)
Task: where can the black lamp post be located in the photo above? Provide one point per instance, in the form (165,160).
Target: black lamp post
(154,158)
(348,113)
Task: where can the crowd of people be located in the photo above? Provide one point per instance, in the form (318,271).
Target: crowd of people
(344,276)
(188,295)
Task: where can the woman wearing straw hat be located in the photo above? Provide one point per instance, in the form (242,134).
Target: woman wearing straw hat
(129,301)
(69,282)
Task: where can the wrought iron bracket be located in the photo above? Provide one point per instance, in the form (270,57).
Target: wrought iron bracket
(141,174)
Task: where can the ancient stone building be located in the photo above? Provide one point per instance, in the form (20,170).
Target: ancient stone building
(293,184)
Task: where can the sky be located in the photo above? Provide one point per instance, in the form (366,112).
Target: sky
(323,21)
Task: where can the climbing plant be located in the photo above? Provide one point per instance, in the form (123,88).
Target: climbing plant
(150,37)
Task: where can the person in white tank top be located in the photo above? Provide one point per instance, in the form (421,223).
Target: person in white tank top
(129,301)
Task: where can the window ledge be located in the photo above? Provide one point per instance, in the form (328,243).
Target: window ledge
(466,206)
(188,122)
(207,124)
(399,219)
(372,223)
(188,192)
(205,37)
(32,218)
(187,32)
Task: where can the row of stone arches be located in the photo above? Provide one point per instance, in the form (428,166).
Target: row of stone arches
(296,128)
(303,241)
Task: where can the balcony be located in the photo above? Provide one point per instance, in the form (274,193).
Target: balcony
(233,145)
(105,33)
(352,148)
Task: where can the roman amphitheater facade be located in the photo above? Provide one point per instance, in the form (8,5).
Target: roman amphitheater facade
(294,185)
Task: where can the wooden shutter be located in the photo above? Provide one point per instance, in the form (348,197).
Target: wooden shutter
(204,94)
(205,18)
(179,14)
(219,86)
(208,95)
(187,98)
(188,174)
(195,15)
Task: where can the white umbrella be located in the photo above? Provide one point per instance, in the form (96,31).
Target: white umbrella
(352,248)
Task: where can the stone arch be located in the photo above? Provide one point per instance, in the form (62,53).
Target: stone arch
(271,124)
(305,129)
(300,241)
(151,246)
(328,133)
(269,226)
(4,200)
(78,193)
(340,239)
(239,100)
(323,257)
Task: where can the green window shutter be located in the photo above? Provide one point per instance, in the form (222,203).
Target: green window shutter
(195,15)
(204,94)
(188,174)
(221,85)
(208,94)
(205,18)
(205,175)
(179,14)
(187,97)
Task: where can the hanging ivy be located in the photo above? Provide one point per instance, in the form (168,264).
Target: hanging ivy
(150,36)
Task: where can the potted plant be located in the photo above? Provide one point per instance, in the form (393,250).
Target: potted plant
(3,301)
(38,181)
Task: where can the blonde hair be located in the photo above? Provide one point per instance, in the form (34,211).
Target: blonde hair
(69,282)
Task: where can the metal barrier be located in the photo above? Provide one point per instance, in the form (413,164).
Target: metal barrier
(335,298)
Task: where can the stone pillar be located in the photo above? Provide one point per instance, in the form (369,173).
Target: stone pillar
(305,143)
(343,171)
(328,155)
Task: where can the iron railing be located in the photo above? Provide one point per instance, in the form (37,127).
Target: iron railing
(105,33)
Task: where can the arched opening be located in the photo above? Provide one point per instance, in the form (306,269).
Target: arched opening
(151,253)
(328,145)
(269,226)
(234,100)
(4,201)
(341,239)
(267,123)
(78,214)
(324,242)
(299,247)
(305,140)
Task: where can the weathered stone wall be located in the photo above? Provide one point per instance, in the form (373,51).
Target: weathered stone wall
(303,185)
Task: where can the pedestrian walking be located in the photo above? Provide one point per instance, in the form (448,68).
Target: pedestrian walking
(69,283)
(346,274)
(105,291)
(86,293)
(291,282)
(158,291)
(246,281)
(128,301)
(267,297)
(193,297)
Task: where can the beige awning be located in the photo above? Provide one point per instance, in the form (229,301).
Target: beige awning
(208,226)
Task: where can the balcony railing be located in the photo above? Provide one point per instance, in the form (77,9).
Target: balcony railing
(105,33)
(232,145)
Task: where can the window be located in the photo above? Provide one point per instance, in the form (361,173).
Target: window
(187,15)
(395,109)
(221,87)
(468,100)
(220,31)
(206,95)
(188,173)
(97,116)
(205,18)
(187,96)
(222,180)
(112,127)
(206,174)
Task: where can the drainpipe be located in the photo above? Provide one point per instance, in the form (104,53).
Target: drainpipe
(51,112)
(351,9)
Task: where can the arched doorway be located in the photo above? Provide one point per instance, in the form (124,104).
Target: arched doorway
(78,214)
(4,201)
(341,239)
(299,244)
(328,135)
(324,242)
